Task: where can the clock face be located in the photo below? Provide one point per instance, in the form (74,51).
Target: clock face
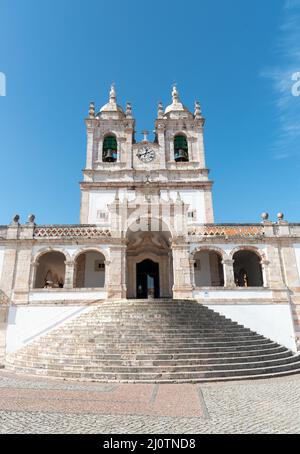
(146,154)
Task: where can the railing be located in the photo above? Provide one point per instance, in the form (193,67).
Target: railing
(3,232)
(294,229)
(227,230)
(78,231)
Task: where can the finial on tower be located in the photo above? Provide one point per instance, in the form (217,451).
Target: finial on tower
(15,219)
(92,110)
(128,110)
(197,112)
(112,93)
(175,94)
(160,110)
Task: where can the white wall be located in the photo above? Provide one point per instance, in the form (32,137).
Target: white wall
(65,295)
(26,324)
(245,293)
(202,274)
(98,200)
(273,321)
(195,199)
(93,278)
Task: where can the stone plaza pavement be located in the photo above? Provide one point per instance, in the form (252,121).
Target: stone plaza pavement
(37,405)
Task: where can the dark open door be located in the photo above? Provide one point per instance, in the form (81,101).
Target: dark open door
(147,278)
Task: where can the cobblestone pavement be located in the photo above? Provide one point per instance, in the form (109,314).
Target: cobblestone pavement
(36,405)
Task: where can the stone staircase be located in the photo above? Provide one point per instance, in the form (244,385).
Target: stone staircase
(153,341)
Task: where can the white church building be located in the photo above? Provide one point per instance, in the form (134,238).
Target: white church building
(147,241)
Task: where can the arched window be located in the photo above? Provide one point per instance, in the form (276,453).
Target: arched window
(208,269)
(181,152)
(247,269)
(50,271)
(110,149)
(89,270)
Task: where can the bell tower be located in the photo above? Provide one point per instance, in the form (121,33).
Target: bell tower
(110,137)
(172,166)
(179,134)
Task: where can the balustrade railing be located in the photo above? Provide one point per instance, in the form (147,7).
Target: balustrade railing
(79,231)
(227,230)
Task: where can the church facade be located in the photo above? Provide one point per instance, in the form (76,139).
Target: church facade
(147,231)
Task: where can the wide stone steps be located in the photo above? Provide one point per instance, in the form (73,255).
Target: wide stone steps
(192,341)
(153,341)
(135,366)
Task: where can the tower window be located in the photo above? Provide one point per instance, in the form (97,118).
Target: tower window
(110,149)
(191,215)
(102,216)
(181,153)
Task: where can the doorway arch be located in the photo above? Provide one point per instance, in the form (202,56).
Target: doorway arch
(149,254)
(147,279)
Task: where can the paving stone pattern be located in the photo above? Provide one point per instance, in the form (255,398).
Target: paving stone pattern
(36,405)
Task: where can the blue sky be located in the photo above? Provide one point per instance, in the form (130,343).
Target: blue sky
(236,57)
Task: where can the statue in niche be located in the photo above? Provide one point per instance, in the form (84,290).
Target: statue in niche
(243,280)
(48,281)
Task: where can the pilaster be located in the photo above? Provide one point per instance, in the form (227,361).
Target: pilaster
(183,284)
(228,273)
(90,144)
(116,273)
(69,274)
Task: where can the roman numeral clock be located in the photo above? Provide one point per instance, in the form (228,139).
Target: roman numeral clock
(146,154)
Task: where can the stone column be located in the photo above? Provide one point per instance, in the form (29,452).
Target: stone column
(182,287)
(192,268)
(264,268)
(90,145)
(228,273)
(100,150)
(116,279)
(69,274)
(190,142)
(172,152)
(127,155)
(162,145)
(33,270)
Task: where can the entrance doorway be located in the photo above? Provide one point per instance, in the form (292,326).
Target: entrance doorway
(147,279)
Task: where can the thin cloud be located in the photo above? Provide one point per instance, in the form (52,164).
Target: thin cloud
(287,141)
